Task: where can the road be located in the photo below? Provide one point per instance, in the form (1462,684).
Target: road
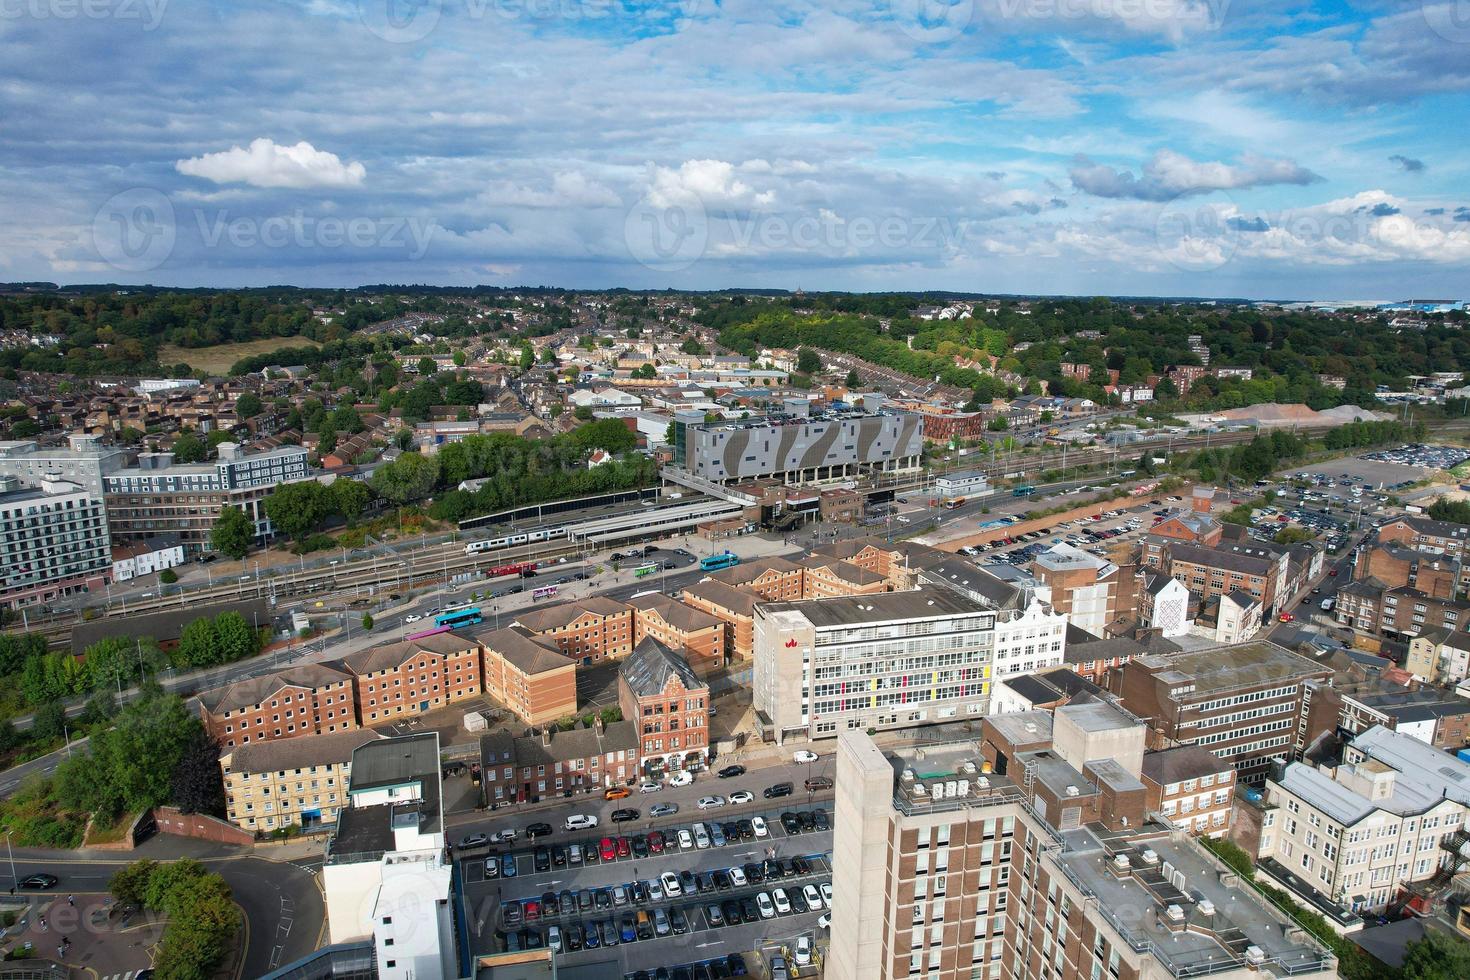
(281,901)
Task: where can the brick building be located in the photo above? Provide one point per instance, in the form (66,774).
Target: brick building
(824,577)
(589,630)
(1092,591)
(312,699)
(1192,787)
(659,692)
(550,764)
(415,676)
(530,676)
(1209,573)
(734,607)
(773,579)
(1426,534)
(1247,704)
(1403,612)
(696,633)
(1395,565)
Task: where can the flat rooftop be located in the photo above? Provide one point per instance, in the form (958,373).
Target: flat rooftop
(921,603)
(949,775)
(1179,888)
(1226,668)
(363,831)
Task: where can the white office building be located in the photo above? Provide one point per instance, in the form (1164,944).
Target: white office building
(1391,813)
(889,660)
(386,875)
(1030,632)
(961,484)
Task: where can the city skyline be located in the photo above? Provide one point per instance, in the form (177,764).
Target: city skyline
(1163,147)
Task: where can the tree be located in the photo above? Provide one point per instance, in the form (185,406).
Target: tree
(853,381)
(129,884)
(998,424)
(350,498)
(528,357)
(1436,957)
(367,622)
(410,477)
(198,786)
(645,372)
(1166,390)
(199,644)
(236,638)
(168,576)
(49,722)
(808,361)
(297,508)
(609,434)
(692,346)
(459,358)
(248,405)
(188,448)
(1292,535)
(427,367)
(233,533)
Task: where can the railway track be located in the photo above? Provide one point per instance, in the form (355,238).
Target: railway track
(437,563)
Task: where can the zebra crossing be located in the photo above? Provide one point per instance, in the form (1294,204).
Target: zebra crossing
(130,975)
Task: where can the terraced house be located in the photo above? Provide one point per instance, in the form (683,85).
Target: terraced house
(415,676)
(313,699)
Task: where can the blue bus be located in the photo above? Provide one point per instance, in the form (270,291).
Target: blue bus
(716,562)
(459,617)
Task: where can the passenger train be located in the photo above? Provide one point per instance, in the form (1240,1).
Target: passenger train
(510,540)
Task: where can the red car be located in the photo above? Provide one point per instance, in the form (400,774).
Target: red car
(656,842)
(1287,617)
(1333,573)
(607,849)
(624,849)
(533,910)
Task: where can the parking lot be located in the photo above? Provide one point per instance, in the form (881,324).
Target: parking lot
(1376,474)
(1121,526)
(647,899)
(1418,454)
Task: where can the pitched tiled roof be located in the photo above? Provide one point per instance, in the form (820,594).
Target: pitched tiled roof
(738,601)
(392,654)
(334,748)
(1185,762)
(254,690)
(565,613)
(686,619)
(528,653)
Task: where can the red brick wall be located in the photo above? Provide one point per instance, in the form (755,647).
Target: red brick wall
(171,821)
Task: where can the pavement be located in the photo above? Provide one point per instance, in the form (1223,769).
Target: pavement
(277,890)
(88,931)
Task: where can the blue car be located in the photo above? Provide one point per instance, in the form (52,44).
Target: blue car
(629,931)
(507,866)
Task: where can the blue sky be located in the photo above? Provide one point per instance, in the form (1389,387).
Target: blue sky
(1183,147)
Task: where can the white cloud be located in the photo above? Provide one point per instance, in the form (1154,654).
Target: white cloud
(1168,175)
(714,183)
(266,163)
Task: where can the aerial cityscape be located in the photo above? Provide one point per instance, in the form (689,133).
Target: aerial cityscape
(614,490)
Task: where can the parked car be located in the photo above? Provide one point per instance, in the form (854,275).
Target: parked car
(663,809)
(682,778)
(711,802)
(616,793)
(581,821)
(624,814)
(538,830)
(492,866)
(741,796)
(649,786)
(803,756)
(474,840)
(777,791)
(758,824)
(507,866)
(817,784)
(730,772)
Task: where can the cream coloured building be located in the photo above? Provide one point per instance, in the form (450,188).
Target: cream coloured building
(1392,813)
(293,782)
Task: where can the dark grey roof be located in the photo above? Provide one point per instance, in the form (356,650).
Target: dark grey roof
(1033,689)
(959,574)
(1388,944)
(401,761)
(1229,559)
(396,761)
(1069,682)
(648,668)
(273,755)
(1117,646)
(1185,762)
(162,626)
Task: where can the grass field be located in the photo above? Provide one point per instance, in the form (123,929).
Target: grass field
(219,358)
